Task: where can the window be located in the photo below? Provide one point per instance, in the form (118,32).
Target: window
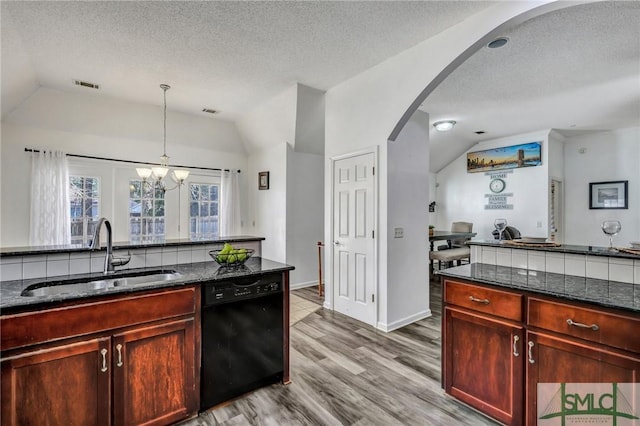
(146,212)
(84,194)
(203,211)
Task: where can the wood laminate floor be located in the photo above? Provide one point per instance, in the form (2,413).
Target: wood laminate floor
(345,372)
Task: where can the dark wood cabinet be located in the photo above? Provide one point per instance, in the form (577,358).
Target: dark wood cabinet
(554,359)
(482,349)
(65,385)
(484,368)
(499,345)
(154,374)
(66,371)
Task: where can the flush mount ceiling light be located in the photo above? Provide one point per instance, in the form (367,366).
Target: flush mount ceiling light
(157,173)
(444,125)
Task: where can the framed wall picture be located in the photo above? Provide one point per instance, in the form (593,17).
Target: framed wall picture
(506,157)
(263,180)
(609,195)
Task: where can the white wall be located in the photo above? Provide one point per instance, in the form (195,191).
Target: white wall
(309,121)
(268,208)
(433,195)
(271,123)
(407,258)
(608,156)
(305,209)
(97,126)
(461,195)
(363,111)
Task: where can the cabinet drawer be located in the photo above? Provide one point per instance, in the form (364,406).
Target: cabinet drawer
(594,325)
(484,299)
(85,318)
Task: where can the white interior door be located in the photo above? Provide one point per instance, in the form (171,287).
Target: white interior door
(354,280)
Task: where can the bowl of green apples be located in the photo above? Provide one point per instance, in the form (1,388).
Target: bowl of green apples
(230,256)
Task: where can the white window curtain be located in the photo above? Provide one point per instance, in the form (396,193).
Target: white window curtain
(50,209)
(229,203)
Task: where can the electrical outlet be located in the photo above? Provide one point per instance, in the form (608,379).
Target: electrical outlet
(398,232)
(539,224)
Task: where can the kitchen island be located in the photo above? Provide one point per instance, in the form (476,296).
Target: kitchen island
(507,329)
(126,354)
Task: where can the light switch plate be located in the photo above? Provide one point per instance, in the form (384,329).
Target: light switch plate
(398,232)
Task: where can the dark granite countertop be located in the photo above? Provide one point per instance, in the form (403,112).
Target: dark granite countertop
(564,248)
(12,302)
(29,250)
(610,294)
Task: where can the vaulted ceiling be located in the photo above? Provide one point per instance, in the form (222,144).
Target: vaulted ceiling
(577,69)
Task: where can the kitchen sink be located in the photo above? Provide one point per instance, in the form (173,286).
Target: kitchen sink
(76,286)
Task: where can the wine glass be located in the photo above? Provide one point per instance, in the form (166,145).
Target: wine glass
(500,224)
(611,228)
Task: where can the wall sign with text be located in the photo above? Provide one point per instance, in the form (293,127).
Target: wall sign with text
(497,199)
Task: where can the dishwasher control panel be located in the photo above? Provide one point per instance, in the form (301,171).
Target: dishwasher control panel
(241,288)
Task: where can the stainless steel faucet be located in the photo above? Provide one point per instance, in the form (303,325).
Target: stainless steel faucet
(110,261)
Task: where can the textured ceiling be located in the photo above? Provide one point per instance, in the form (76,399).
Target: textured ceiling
(573,70)
(576,69)
(228,56)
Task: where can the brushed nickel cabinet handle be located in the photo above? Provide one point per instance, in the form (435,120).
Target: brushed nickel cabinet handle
(531,360)
(594,327)
(483,301)
(515,345)
(103,352)
(119,349)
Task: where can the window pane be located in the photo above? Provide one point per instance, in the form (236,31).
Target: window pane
(84,207)
(158,208)
(135,190)
(147,190)
(91,227)
(92,189)
(147,207)
(134,226)
(159,193)
(194,192)
(203,211)
(204,192)
(146,213)
(159,226)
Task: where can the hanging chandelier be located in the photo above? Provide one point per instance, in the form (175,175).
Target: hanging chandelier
(157,173)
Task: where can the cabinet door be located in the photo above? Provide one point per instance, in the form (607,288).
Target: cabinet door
(483,364)
(64,385)
(154,374)
(553,359)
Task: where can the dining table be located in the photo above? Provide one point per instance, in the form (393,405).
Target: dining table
(448,236)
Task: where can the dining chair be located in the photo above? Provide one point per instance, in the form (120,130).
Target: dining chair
(458,227)
(458,251)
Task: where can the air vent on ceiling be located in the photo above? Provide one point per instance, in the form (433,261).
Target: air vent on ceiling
(209,111)
(86,84)
(480,132)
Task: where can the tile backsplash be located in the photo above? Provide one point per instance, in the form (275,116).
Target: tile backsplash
(580,265)
(63,264)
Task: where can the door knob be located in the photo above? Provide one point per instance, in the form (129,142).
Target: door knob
(336,243)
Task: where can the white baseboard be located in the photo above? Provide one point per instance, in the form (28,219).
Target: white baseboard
(296,286)
(404,321)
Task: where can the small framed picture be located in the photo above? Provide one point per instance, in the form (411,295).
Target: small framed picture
(609,195)
(263,180)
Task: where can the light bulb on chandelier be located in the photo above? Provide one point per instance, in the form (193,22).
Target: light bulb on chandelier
(158,173)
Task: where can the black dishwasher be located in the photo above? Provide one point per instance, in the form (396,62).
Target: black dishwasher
(242,337)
